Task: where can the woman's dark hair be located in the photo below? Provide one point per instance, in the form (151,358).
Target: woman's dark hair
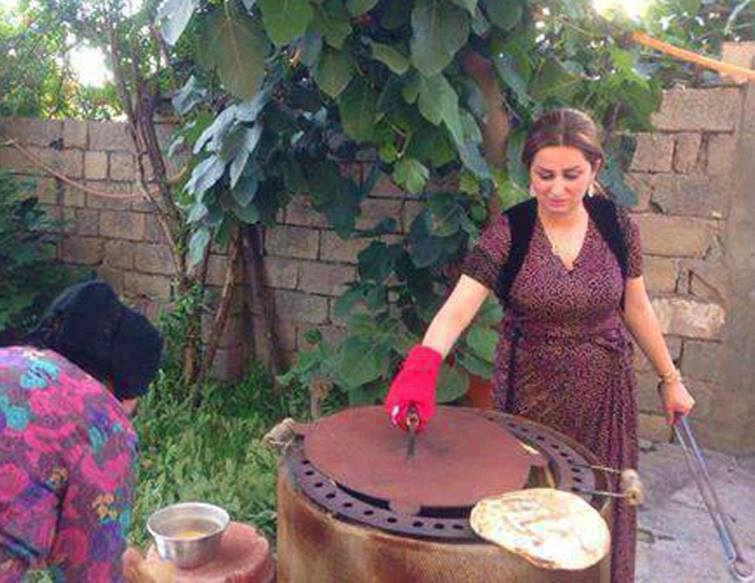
(88,325)
(564,127)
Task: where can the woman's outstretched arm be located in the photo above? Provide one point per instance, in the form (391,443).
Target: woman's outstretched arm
(455,315)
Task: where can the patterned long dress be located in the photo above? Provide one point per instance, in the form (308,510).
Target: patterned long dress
(67,451)
(573,358)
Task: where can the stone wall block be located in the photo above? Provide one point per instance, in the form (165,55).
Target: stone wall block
(333,248)
(87,222)
(32,131)
(690,318)
(152,230)
(722,154)
(109,136)
(112,203)
(321,278)
(153,259)
(95,165)
(71,163)
(695,196)
(300,306)
(654,153)
(216,268)
(741,53)
(75,134)
(82,250)
(676,236)
(74,197)
(47,190)
(11,159)
(374,210)
(122,225)
(281,272)
(642,184)
(687,152)
(153,286)
(113,277)
(289,241)
(68,216)
(708,280)
(120,254)
(713,110)
(661,274)
(702,360)
(122,166)
(300,212)
(748,115)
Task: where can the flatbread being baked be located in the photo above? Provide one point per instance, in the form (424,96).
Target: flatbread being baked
(549,528)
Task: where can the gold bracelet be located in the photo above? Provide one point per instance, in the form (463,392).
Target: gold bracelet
(672,376)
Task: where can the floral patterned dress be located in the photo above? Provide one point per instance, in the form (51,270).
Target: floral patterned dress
(572,368)
(67,452)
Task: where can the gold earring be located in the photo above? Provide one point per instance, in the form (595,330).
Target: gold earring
(591,189)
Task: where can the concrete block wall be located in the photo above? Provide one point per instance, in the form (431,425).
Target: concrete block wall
(696,214)
(119,238)
(685,173)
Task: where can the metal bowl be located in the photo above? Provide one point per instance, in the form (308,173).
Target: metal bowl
(188,534)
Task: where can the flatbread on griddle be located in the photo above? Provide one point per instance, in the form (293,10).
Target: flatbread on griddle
(549,528)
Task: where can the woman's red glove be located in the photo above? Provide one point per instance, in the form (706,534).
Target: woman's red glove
(414,384)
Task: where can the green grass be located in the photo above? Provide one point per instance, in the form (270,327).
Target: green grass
(211,453)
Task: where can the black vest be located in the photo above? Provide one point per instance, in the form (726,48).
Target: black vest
(522,217)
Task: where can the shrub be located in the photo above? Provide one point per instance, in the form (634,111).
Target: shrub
(30,277)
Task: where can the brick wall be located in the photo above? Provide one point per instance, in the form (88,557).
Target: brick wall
(685,172)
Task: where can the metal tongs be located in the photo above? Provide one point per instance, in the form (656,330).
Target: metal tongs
(739,568)
(412,424)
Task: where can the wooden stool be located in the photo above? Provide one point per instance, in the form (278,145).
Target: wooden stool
(244,557)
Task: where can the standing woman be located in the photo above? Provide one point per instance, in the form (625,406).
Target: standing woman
(567,266)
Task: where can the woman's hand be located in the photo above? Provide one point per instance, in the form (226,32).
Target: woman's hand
(136,569)
(676,400)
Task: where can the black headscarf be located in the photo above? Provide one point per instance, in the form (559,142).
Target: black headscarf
(89,326)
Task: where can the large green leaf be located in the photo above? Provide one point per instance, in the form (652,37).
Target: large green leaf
(482,341)
(205,175)
(553,80)
(173,16)
(197,245)
(285,20)
(362,361)
(332,22)
(411,174)
(390,57)
(438,102)
(452,384)
(471,157)
(237,49)
(249,139)
(504,13)
(476,366)
(333,72)
(439,30)
(357,106)
(359,7)
(469,5)
(376,262)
